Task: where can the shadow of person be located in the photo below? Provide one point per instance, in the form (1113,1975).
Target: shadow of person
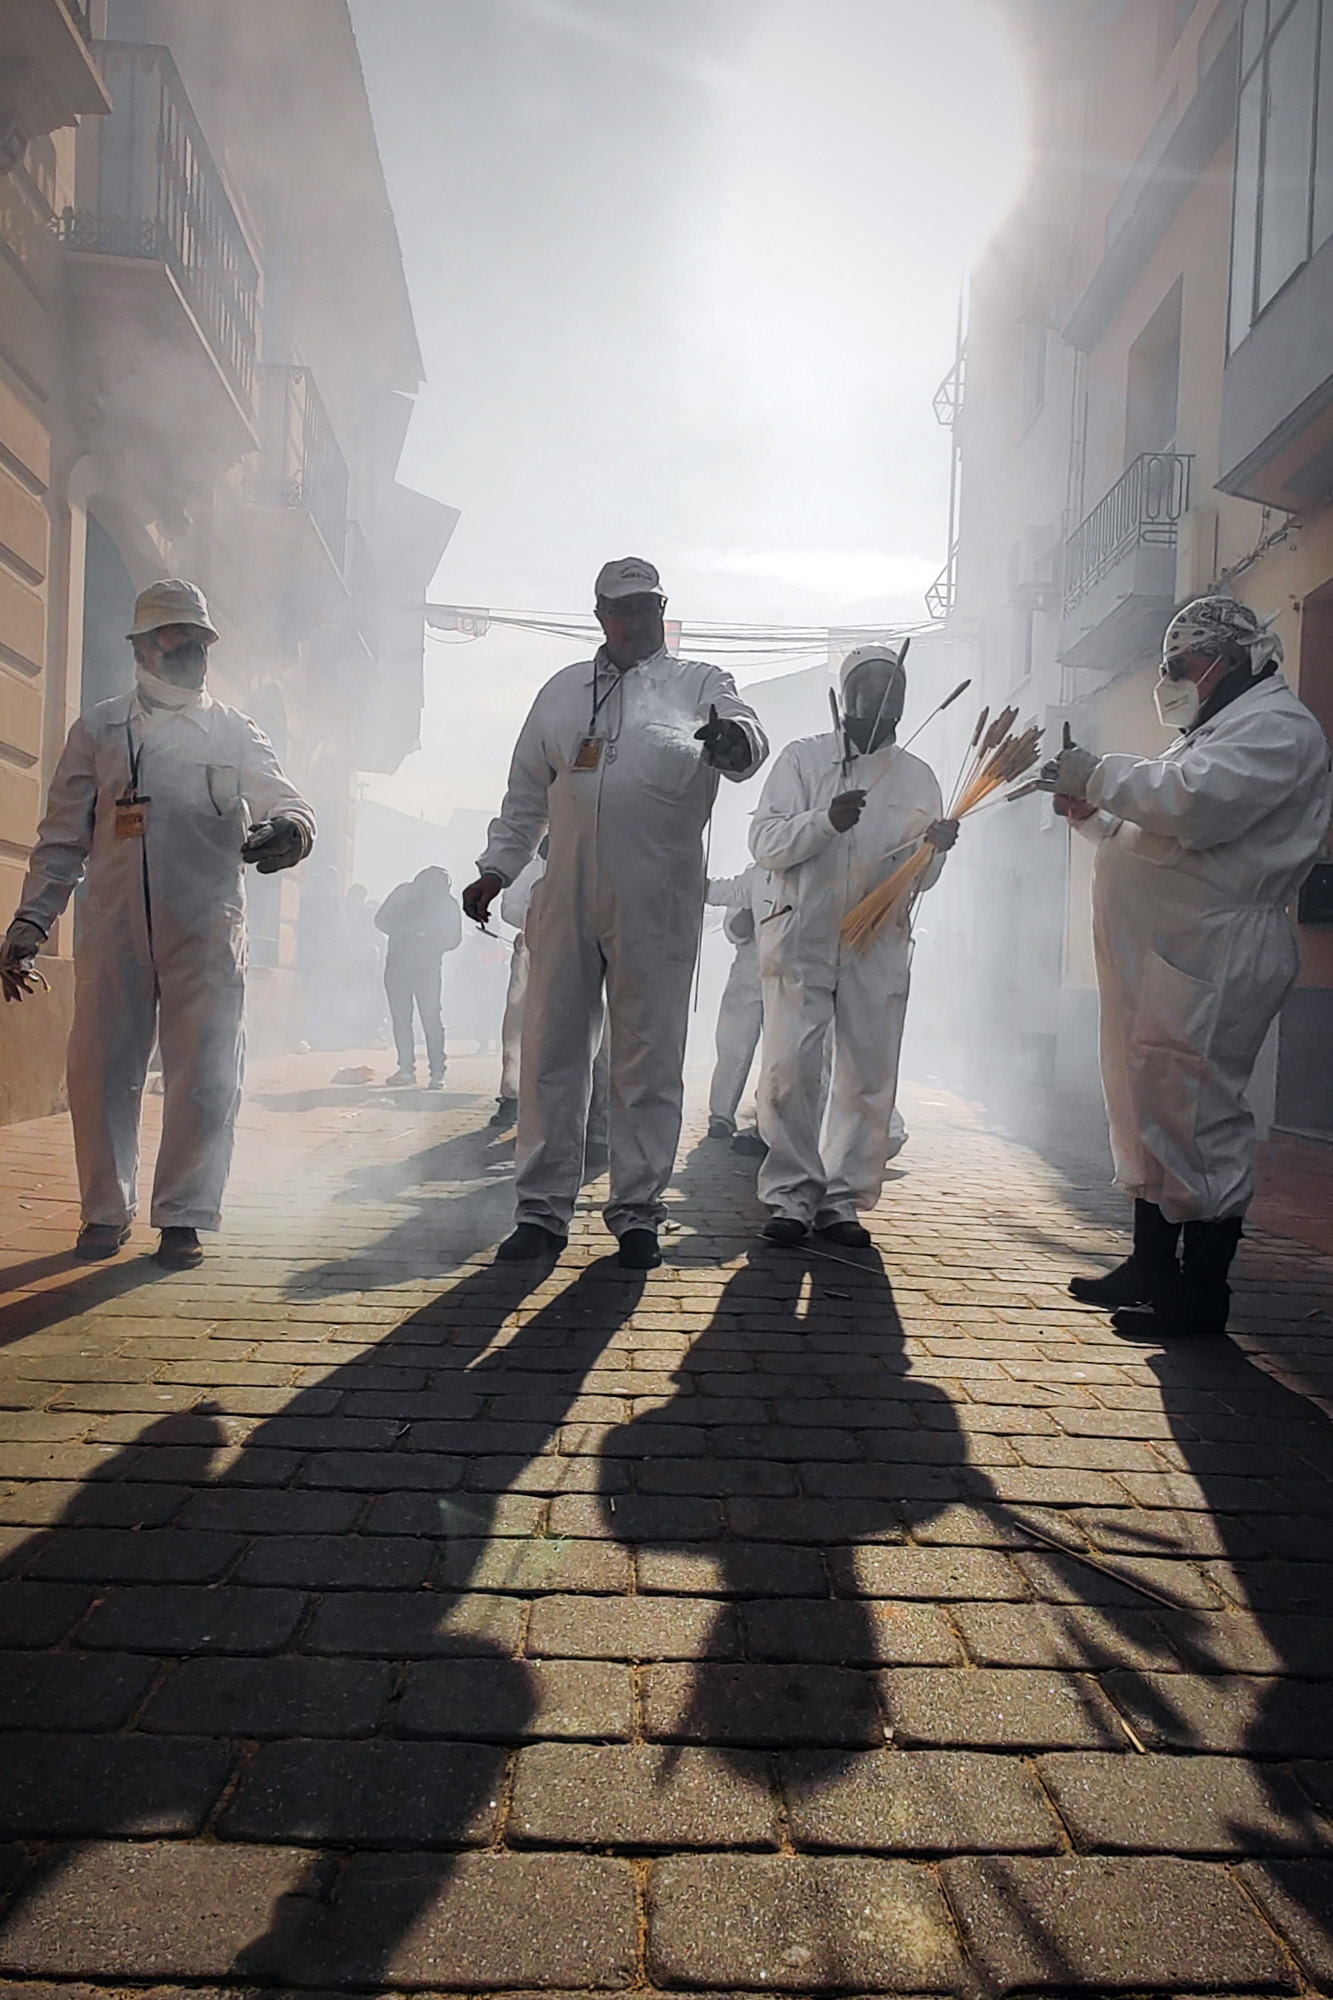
(307,1636)
(817,1447)
(90,1285)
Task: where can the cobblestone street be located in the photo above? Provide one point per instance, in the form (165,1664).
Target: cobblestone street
(375,1618)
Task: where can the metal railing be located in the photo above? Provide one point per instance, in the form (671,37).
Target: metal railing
(1142,510)
(300,464)
(162,199)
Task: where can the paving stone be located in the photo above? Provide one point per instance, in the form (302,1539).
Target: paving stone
(551,1474)
(799,1924)
(382,1471)
(148,1912)
(52,1502)
(1060,1580)
(510,1701)
(632,1628)
(1235,1642)
(1182,1805)
(997,1709)
(1230,1714)
(58,1786)
(922,1802)
(282,1697)
(281,1513)
(1061,1635)
(338,1562)
(414,1624)
(926,1573)
(40,1614)
(1297,1899)
(1072,1924)
(865,1634)
(540,1563)
(640,1795)
(472,1515)
(636,1517)
(734,1569)
(166,1618)
(133,1555)
(368,1795)
(822,1522)
(71,1690)
(498,1922)
(760,1706)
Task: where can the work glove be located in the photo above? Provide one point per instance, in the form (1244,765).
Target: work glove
(1068,774)
(478,897)
(942,834)
(845,810)
(726,745)
(18,974)
(277,843)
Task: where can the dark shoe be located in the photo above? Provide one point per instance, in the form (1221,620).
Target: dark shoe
(402,1079)
(751,1143)
(505,1112)
(530,1244)
(721,1128)
(1198,1303)
(179,1249)
(101,1239)
(847,1235)
(1147,1273)
(639,1251)
(784,1229)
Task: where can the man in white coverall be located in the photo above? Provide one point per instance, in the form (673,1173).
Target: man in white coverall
(836,819)
(740,1015)
(160,797)
(619,757)
(1200,851)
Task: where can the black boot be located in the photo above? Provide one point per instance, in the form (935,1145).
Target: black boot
(1199,1303)
(1149,1270)
(529,1244)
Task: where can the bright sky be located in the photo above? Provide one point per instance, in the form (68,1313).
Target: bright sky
(685,275)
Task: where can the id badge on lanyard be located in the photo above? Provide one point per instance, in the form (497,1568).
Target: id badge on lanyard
(131,820)
(589,753)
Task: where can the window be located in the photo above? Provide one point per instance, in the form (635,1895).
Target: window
(1283,192)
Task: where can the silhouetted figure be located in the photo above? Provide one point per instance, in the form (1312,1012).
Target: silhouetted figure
(422,921)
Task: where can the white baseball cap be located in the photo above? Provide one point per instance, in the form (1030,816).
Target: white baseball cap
(171,602)
(630,577)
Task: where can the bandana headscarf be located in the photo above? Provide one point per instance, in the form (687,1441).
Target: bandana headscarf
(1213,624)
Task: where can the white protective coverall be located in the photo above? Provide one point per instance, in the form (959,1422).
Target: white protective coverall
(514,904)
(1200,852)
(619,912)
(747,899)
(160,945)
(828,1149)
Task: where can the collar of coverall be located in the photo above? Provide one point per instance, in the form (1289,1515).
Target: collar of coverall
(602,661)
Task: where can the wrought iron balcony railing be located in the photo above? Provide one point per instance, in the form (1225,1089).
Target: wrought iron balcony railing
(161,198)
(300,464)
(1142,510)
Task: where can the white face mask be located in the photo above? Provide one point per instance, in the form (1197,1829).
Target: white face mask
(1176,702)
(165,694)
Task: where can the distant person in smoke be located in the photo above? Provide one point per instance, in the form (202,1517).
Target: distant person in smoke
(422,921)
(740,1016)
(1200,852)
(160,799)
(620,757)
(836,818)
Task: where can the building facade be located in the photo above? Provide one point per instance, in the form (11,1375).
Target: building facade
(1147,414)
(206,320)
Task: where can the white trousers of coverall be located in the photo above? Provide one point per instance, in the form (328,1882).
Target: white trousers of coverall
(511,1032)
(740,1020)
(646,1011)
(828,1145)
(196,1011)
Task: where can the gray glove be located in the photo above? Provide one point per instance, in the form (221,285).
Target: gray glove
(1068,774)
(277,843)
(18,974)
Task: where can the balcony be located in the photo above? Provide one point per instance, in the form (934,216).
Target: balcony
(300,468)
(47,75)
(1120,565)
(165,287)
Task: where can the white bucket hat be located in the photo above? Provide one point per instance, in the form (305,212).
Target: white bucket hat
(171,602)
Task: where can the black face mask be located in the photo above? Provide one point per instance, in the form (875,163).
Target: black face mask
(861,727)
(184,665)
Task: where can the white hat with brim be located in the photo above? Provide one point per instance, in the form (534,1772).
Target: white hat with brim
(171,602)
(631,576)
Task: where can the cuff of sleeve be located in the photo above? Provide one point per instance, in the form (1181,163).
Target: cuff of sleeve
(1096,784)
